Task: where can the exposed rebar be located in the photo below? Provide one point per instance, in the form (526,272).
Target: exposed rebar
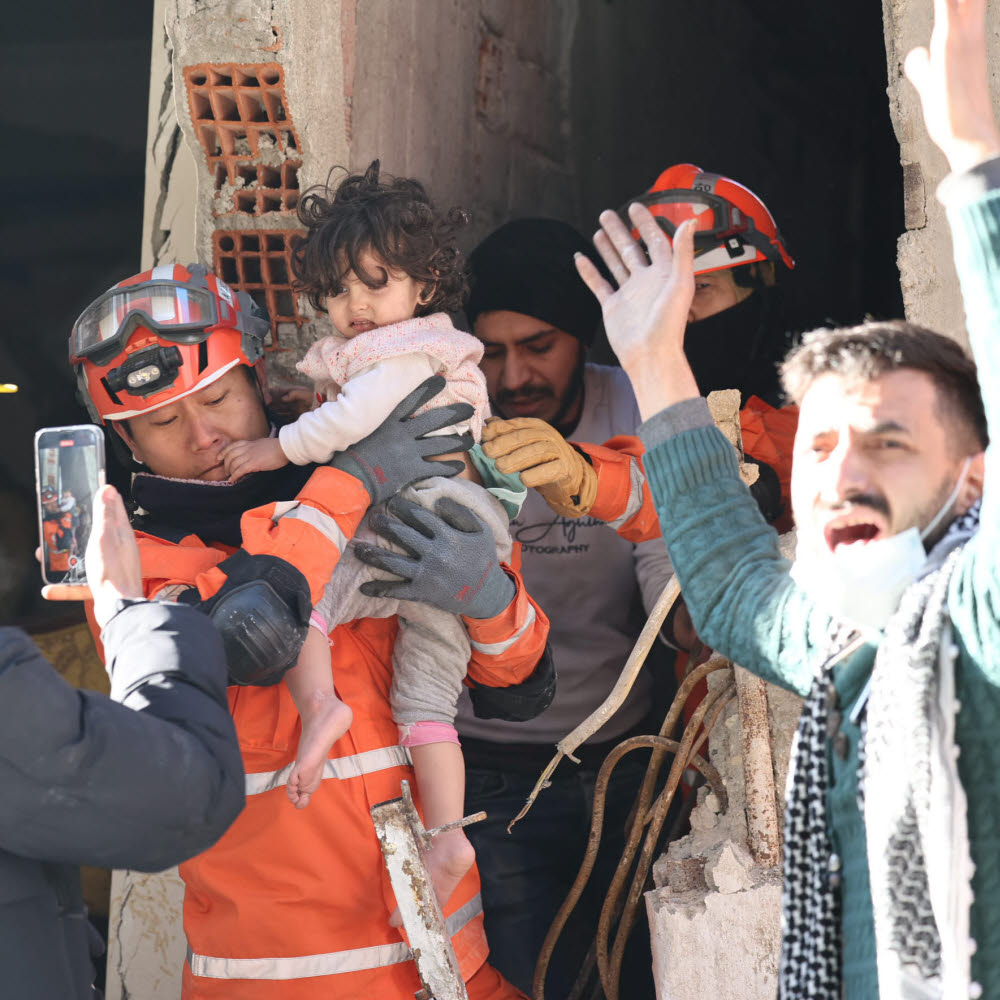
(686,755)
(568,745)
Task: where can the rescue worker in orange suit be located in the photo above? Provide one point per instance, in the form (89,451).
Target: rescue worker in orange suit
(736,332)
(57,530)
(169,360)
(736,337)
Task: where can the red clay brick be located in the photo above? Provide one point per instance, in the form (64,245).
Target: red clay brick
(239,112)
(259,261)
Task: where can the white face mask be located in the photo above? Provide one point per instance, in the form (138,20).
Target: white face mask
(863,584)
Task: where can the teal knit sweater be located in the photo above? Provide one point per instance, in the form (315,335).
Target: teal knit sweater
(744,604)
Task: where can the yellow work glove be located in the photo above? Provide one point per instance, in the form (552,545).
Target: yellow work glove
(546,461)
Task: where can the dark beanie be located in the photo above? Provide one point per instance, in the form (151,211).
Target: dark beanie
(526,266)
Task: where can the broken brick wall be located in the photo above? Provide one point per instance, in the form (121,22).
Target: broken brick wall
(510,108)
(253,103)
(927,272)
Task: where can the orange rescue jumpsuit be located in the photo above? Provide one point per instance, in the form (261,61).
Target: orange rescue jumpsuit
(294,904)
(768,435)
(54,532)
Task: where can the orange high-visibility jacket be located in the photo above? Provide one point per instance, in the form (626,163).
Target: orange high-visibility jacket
(52,538)
(294,904)
(623,497)
(769,436)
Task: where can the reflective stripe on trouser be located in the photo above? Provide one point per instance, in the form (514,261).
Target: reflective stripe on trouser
(331,964)
(339,767)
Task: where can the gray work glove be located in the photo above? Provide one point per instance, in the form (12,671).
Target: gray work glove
(449,559)
(397,453)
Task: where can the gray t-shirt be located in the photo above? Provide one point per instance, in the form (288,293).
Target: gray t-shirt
(586,578)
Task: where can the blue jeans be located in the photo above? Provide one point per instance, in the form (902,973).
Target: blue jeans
(527,874)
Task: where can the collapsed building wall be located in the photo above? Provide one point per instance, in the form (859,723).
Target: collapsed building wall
(927,274)
(505,109)
(715,913)
(253,103)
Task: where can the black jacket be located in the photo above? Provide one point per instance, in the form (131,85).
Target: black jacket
(143,784)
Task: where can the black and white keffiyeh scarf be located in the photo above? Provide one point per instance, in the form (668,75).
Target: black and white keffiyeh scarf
(899,733)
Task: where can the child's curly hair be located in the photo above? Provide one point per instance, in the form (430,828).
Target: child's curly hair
(393,218)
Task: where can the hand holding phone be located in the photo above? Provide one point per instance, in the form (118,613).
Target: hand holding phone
(69,469)
(112,556)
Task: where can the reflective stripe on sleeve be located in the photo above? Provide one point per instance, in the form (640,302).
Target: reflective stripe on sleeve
(339,767)
(494,648)
(636,481)
(172,591)
(330,964)
(320,521)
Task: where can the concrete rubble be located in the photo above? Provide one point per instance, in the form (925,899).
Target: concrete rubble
(482,113)
(715,912)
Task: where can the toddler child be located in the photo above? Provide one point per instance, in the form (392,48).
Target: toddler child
(385,267)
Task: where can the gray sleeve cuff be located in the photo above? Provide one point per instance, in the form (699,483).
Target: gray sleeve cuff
(687,415)
(971,184)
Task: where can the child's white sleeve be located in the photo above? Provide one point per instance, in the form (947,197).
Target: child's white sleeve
(362,405)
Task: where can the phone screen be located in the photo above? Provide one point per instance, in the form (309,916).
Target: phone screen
(69,469)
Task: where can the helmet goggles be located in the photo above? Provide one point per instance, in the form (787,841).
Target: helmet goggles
(716,218)
(174,310)
(720,226)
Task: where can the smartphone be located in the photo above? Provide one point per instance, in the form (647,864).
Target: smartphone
(69,469)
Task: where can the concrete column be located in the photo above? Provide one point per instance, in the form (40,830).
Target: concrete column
(171,169)
(927,273)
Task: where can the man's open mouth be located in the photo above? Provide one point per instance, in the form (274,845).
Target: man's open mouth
(850,533)
(847,534)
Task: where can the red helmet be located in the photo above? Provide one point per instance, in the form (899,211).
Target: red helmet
(734,225)
(49,494)
(161,335)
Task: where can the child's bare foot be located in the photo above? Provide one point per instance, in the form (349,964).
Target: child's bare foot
(325,721)
(450,857)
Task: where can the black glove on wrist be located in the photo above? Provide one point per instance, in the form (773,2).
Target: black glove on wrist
(449,559)
(397,453)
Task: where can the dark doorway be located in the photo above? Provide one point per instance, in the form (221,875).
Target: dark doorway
(788,99)
(73,173)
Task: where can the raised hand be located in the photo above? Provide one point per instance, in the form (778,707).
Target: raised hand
(646,317)
(951,79)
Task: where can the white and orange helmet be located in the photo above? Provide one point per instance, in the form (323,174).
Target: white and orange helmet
(734,225)
(159,336)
